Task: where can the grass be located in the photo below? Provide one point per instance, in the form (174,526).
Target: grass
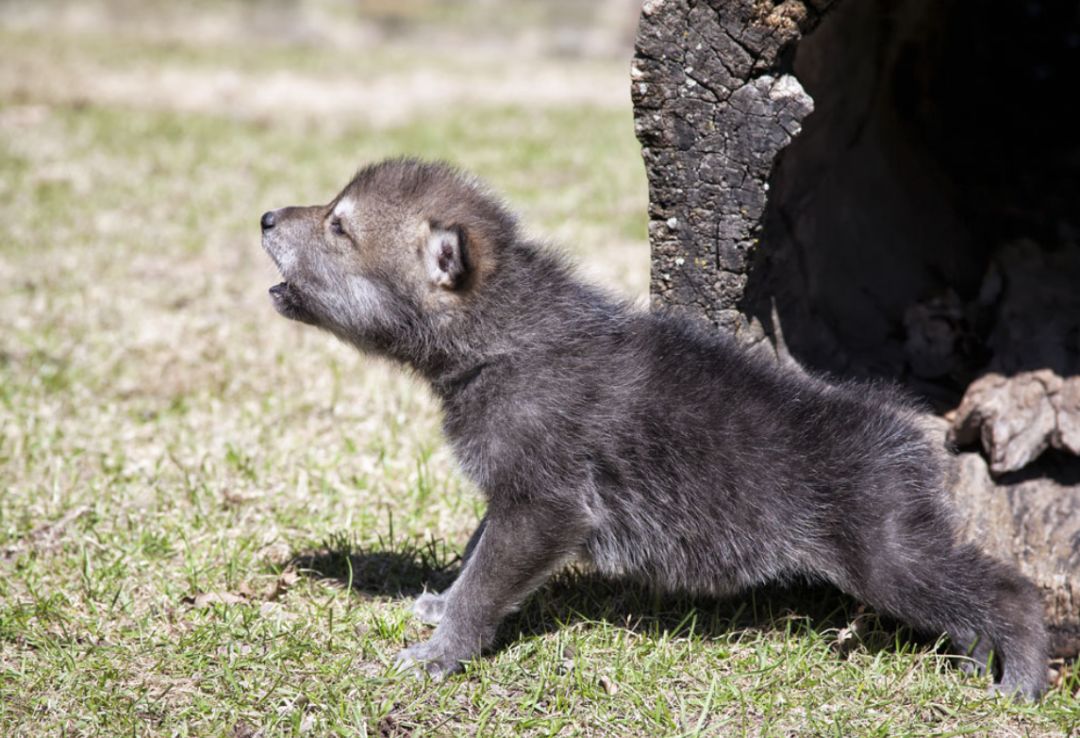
(212,520)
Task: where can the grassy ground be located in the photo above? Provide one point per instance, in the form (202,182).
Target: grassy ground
(212,520)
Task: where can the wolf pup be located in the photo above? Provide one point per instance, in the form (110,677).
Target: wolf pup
(642,443)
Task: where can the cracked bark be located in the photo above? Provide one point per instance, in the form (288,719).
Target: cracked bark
(861,229)
(713,110)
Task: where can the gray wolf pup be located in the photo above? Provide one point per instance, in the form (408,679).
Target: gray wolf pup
(640,442)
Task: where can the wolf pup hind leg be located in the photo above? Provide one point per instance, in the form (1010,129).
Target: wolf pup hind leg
(644,444)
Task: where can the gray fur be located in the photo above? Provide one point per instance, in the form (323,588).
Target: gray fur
(638,441)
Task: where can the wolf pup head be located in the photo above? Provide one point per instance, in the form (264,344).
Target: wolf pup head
(391,260)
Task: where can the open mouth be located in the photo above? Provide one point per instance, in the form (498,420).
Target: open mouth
(290,303)
(285,299)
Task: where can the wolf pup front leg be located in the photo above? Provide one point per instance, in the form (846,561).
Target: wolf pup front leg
(518,548)
(430,606)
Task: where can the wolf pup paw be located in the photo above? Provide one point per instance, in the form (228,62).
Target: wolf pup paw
(428,657)
(429,608)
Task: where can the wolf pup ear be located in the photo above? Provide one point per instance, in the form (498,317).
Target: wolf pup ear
(445,256)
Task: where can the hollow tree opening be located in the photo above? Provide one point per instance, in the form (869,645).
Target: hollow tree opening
(936,178)
(890,188)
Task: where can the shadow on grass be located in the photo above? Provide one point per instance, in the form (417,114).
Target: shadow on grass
(387,569)
(404,570)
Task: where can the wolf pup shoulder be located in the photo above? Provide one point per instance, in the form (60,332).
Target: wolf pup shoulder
(639,442)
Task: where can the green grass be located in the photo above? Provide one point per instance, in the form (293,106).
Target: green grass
(212,521)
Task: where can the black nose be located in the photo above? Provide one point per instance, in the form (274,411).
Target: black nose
(267,220)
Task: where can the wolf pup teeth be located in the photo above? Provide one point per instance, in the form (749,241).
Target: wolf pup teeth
(642,443)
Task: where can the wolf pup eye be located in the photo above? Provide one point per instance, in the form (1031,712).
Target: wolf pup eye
(335,226)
